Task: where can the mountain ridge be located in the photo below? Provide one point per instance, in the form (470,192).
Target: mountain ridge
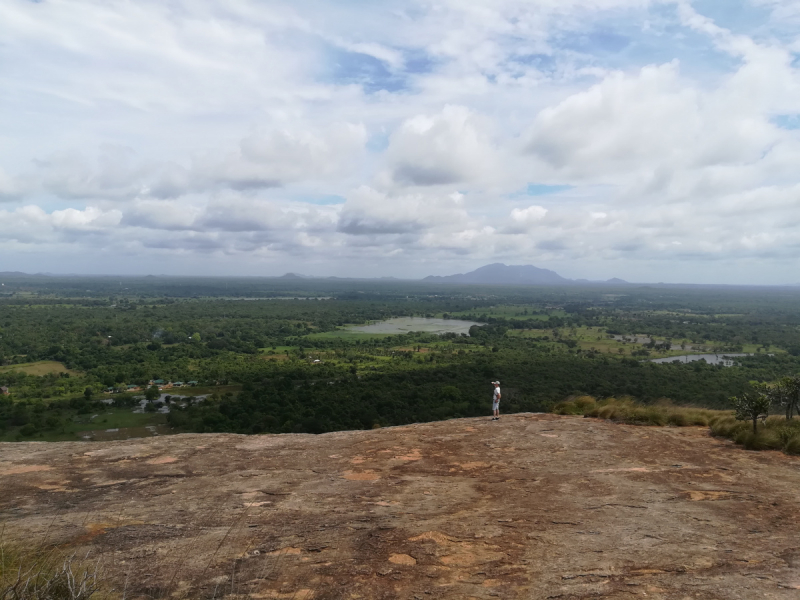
(502,274)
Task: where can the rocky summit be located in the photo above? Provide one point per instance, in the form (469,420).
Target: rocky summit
(531,506)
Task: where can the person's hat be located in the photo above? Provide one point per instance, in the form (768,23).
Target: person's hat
(496,382)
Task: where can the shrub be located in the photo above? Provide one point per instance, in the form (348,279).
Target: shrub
(28,430)
(775,433)
(751,405)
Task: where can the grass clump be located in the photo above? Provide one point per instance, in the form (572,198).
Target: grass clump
(577,405)
(45,574)
(627,410)
(773,433)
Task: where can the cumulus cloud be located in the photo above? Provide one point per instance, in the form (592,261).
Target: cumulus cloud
(446,148)
(264,159)
(31,225)
(524,218)
(275,157)
(369,212)
(649,124)
(400,134)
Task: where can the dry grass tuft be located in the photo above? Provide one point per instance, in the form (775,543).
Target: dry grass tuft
(775,433)
(45,574)
(627,410)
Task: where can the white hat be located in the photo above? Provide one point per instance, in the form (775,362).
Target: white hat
(496,382)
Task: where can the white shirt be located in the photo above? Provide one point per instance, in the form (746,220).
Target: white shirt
(496,395)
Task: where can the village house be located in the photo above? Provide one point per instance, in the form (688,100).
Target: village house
(4,391)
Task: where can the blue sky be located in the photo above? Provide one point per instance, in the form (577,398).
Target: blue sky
(653,140)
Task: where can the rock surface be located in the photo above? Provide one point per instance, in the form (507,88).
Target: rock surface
(531,506)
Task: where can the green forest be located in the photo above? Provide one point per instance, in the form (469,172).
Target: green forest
(78,354)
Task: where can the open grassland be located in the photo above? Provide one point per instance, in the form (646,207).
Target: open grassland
(39,368)
(596,339)
(589,339)
(279,349)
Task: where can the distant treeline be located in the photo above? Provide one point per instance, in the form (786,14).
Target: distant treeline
(530,383)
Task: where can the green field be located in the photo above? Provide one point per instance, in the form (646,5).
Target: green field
(39,368)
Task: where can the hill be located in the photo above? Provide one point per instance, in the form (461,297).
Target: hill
(500,274)
(532,506)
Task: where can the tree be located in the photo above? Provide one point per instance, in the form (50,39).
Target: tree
(751,405)
(152,393)
(786,393)
(87,393)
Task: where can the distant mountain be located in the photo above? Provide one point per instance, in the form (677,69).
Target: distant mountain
(14,274)
(501,274)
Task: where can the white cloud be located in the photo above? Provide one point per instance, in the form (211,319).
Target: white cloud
(447,148)
(278,156)
(199,133)
(530,215)
(370,212)
(782,10)
(264,159)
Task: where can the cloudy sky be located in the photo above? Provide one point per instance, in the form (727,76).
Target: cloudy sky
(653,140)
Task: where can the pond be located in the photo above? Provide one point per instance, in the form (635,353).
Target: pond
(725,360)
(406,324)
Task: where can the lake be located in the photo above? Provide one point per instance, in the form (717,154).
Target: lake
(406,324)
(712,359)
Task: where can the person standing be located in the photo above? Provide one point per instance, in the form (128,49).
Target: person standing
(496,401)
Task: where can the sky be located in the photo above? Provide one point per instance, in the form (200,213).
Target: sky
(652,140)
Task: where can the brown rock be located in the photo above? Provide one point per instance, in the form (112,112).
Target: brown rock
(457,509)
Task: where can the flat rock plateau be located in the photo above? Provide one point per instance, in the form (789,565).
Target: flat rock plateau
(531,506)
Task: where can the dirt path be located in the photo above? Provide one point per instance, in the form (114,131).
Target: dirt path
(532,506)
